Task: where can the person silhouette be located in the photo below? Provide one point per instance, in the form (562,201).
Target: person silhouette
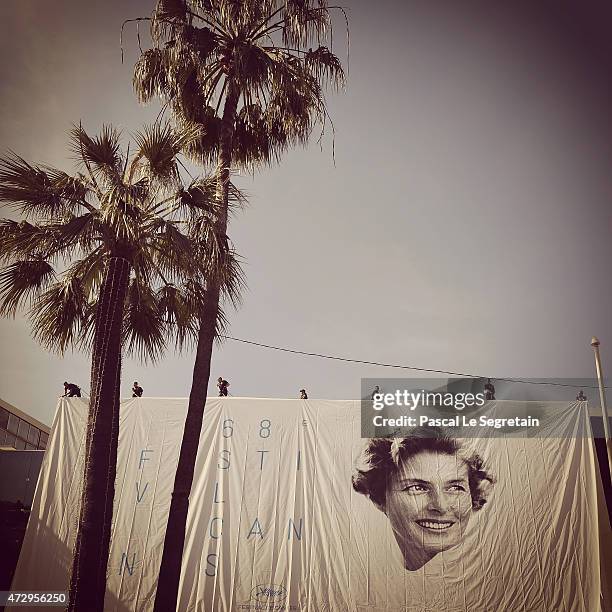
(137,390)
(375,392)
(71,390)
(222,385)
(489,390)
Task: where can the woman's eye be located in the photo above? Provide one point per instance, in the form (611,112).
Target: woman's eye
(457,488)
(415,488)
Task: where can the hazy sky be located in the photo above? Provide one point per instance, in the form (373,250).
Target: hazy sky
(465,225)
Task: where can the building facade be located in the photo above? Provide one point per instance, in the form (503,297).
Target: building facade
(20,431)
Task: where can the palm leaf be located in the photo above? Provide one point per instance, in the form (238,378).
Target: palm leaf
(31,189)
(203,149)
(233,279)
(150,74)
(23,240)
(158,146)
(325,66)
(144,326)
(73,189)
(21,282)
(304,21)
(100,153)
(87,329)
(59,314)
(90,271)
(203,41)
(171,253)
(121,218)
(75,232)
(198,198)
(254,66)
(179,314)
(171,9)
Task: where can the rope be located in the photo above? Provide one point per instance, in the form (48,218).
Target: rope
(403,367)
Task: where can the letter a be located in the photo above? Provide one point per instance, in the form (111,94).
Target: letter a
(255,531)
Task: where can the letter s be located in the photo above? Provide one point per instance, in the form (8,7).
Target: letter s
(211,560)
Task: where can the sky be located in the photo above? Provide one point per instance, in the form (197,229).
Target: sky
(462,223)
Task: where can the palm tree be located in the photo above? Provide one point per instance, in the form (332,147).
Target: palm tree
(118,229)
(247,73)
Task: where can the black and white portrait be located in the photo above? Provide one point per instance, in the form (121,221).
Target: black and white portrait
(428,485)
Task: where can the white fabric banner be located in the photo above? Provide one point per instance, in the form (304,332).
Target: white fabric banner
(275,522)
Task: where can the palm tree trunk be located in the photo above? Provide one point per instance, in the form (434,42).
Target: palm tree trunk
(172,556)
(88,578)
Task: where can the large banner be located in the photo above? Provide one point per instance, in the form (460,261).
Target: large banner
(292,510)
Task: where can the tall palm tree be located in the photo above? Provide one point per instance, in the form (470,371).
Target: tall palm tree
(251,74)
(103,259)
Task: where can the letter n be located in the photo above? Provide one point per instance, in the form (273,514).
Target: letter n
(125,564)
(298,532)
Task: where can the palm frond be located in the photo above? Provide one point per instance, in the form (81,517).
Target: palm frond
(31,189)
(221,326)
(204,149)
(90,271)
(211,247)
(172,253)
(23,240)
(87,327)
(121,218)
(59,314)
(195,295)
(144,326)
(72,189)
(202,40)
(256,141)
(237,198)
(21,282)
(180,315)
(168,17)
(72,234)
(171,9)
(199,197)
(150,75)
(253,67)
(325,66)
(233,279)
(101,153)
(159,146)
(305,21)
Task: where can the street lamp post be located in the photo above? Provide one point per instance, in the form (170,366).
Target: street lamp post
(602,397)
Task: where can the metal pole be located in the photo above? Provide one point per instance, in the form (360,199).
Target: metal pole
(602,398)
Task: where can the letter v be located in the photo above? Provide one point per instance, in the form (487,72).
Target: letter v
(138,495)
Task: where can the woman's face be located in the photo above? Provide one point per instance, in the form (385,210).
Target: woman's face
(428,503)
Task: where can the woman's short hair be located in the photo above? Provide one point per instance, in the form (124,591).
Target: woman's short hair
(383,456)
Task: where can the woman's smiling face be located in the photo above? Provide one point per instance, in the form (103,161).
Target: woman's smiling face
(429,504)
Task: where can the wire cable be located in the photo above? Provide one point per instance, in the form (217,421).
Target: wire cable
(403,367)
